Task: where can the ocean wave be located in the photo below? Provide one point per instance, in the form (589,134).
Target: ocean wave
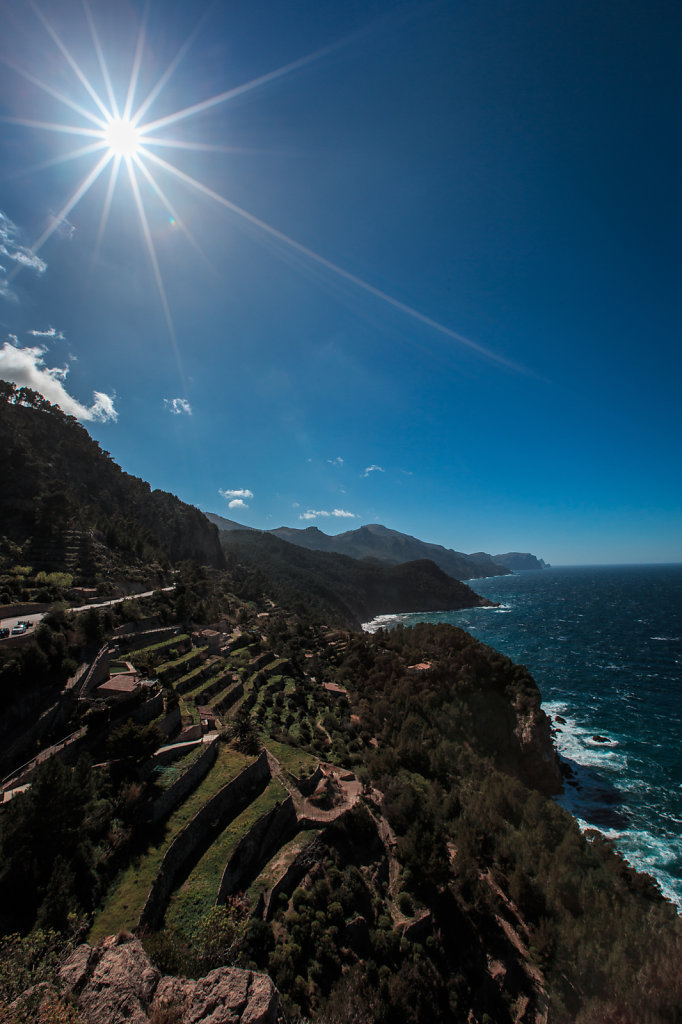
(645,852)
(380,621)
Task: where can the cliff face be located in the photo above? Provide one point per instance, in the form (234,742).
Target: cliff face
(117,981)
(520,561)
(477,696)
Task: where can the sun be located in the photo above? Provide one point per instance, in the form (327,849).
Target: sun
(121,137)
(123,140)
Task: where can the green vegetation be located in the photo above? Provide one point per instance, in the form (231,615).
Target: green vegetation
(67,507)
(453,889)
(166,775)
(28,979)
(54,844)
(126,899)
(198,893)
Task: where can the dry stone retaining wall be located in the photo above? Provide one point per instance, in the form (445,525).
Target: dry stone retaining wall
(176,793)
(302,863)
(260,843)
(98,672)
(306,787)
(230,697)
(229,801)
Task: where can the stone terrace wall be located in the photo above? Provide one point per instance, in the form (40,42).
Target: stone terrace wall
(260,843)
(166,755)
(229,801)
(307,786)
(131,638)
(176,793)
(302,863)
(230,697)
(98,671)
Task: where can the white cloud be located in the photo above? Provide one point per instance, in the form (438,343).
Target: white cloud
(51,332)
(296,504)
(338,461)
(373,469)
(178,406)
(243,492)
(235,496)
(19,254)
(26,368)
(338,513)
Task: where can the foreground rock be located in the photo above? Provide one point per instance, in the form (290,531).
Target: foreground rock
(117,982)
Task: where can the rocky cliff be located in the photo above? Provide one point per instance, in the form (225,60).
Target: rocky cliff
(117,982)
(520,561)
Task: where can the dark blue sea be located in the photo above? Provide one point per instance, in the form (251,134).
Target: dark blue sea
(604,645)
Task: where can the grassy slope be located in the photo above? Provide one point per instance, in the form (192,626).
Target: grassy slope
(127,897)
(198,893)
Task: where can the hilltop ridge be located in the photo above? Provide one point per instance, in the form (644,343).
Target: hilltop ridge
(386,545)
(67,505)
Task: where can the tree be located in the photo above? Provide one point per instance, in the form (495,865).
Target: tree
(244,731)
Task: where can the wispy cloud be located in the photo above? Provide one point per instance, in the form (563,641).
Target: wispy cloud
(12,249)
(51,332)
(337,513)
(373,469)
(178,406)
(338,461)
(26,368)
(235,496)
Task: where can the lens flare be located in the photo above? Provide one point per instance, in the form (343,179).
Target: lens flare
(128,142)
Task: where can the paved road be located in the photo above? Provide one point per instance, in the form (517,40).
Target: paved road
(36,617)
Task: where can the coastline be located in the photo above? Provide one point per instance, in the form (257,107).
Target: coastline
(605,658)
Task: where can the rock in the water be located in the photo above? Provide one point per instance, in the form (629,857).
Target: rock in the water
(116,982)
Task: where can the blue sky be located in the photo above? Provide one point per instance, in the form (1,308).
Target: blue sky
(418,264)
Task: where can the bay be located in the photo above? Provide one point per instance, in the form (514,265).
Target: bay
(604,645)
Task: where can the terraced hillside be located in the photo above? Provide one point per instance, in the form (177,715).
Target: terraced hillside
(212,802)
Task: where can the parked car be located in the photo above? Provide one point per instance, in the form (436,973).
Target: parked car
(18,629)
(4,631)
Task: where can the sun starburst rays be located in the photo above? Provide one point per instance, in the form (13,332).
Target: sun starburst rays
(126,135)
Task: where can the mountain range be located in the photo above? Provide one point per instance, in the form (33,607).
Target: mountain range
(385,545)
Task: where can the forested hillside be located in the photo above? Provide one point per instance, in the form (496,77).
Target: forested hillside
(231,770)
(345,590)
(65,505)
(379,542)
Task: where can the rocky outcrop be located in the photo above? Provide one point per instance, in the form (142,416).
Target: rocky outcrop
(117,982)
(539,759)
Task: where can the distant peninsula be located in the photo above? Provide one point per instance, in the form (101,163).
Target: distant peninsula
(520,561)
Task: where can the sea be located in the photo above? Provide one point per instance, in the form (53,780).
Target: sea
(604,645)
